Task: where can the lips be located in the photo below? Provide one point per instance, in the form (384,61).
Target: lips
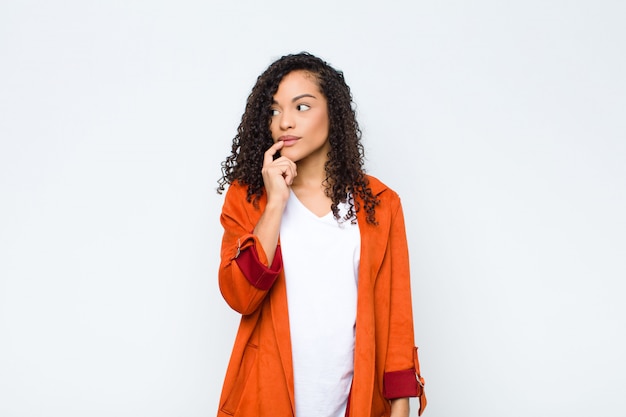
(289,140)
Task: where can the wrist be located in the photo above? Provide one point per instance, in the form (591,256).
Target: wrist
(275,206)
(400,407)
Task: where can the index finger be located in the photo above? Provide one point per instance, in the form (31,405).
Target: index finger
(269,154)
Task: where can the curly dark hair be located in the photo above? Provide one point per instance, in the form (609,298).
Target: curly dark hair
(344,168)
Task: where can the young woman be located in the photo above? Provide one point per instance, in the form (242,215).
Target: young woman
(314,256)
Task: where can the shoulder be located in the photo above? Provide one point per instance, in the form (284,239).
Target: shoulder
(381,190)
(236,200)
(238,191)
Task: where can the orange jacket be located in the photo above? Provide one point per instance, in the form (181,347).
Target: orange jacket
(259,378)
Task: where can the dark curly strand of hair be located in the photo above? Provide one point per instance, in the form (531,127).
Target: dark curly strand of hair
(344,168)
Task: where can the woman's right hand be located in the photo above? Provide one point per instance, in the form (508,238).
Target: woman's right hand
(278,175)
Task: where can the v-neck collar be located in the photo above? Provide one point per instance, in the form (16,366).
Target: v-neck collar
(295,202)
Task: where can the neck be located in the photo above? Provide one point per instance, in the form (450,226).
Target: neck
(309,174)
(308,186)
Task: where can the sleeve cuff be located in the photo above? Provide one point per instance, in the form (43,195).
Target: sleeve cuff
(259,275)
(400,384)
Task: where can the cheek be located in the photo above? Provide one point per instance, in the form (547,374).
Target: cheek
(323,124)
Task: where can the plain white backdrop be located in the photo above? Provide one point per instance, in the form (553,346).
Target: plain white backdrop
(502,124)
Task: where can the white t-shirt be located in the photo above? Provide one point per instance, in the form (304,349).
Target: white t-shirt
(321,262)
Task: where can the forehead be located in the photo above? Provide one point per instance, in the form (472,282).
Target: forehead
(298,80)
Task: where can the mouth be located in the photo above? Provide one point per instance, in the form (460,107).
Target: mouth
(288,140)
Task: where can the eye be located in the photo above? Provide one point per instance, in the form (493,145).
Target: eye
(303,107)
(274,112)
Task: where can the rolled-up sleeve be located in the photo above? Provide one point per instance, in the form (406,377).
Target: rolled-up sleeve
(244,277)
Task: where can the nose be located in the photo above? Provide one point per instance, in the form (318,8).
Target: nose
(286,120)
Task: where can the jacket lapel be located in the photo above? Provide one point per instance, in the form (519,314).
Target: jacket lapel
(280,320)
(373,237)
(373,247)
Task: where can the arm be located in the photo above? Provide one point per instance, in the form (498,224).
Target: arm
(399,361)
(244,277)
(250,255)
(278,176)
(401,364)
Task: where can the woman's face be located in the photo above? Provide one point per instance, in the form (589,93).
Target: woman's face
(300,118)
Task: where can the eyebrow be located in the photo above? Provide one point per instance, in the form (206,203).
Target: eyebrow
(296,98)
(302,96)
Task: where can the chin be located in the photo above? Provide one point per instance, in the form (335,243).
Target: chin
(294,157)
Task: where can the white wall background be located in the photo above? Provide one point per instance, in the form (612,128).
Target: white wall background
(501,124)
